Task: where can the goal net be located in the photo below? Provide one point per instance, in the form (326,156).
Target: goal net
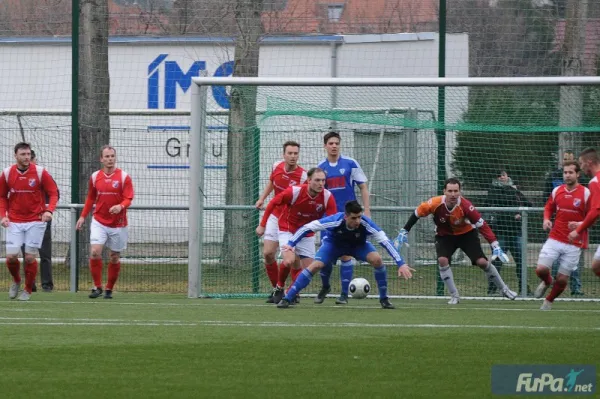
(407,142)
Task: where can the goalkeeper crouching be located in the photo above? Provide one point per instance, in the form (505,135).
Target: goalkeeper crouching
(348,232)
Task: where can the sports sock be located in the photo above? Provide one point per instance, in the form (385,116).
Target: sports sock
(303,280)
(492,274)
(272,272)
(448,278)
(381,278)
(557,289)
(30,273)
(346,273)
(14,267)
(544,275)
(326,275)
(96,271)
(113,274)
(284,272)
(295,273)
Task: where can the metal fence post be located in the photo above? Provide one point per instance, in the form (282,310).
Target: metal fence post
(524,252)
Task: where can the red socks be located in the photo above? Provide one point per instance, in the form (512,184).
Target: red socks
(295,273)
(272,272)
(96,271)
(30,273)
(113,274)
(557,289)
(13,268)
(284,272)
(544,275)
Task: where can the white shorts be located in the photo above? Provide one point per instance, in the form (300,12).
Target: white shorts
(567,256)
(597,253)
(272,229)
(29,233)
(115,238)
(305,248)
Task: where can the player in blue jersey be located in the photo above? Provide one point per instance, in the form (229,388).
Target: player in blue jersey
(347,235)
(343,173)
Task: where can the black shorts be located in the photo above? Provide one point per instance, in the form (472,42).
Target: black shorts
(445,246)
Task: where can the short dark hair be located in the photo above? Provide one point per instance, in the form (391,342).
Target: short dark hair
(590,154)
(290,143)
(572,163)
(331,135)
(32,155)
(568,152)
(22,146)
(352,207)
(452,180)
(312,171)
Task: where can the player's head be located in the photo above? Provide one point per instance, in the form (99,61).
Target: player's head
(352,214)
(502,176)
(589,161)
(331,141)
(568,155)
(452,190)
(108,156)
(23,155)
(316,180)
(291,152)
(570,172)
(33,156)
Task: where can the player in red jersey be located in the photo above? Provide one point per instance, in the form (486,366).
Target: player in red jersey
(456,225)
(570,203)
(589,161)
(285,174)
(299,205)
(111,190)
(23,211)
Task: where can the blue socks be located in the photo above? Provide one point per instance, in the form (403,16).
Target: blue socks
(346,273)
(302,281)
(326,274)
(381,278)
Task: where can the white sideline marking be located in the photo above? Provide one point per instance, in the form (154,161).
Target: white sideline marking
(222,302)
(52,321)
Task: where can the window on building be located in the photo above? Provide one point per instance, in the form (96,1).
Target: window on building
(334,12)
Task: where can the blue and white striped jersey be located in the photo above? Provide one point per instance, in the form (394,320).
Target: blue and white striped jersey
(339,234)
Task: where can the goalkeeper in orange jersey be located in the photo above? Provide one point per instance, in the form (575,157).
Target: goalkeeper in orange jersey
(457,222)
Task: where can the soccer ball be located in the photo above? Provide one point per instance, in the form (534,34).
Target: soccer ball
(359,288)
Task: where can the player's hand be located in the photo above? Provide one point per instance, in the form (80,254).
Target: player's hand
(4,221)
(498,253)
(574,235)
(115,209)
(260,230)
(547,225)
(79,223)
(401,239)
(405,271)
(287,248)
(574,225)
(46,216)
(259,204)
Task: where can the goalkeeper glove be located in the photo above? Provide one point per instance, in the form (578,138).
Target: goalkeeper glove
(498,253)
(401,239)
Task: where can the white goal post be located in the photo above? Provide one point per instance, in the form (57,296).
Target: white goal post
(200,107)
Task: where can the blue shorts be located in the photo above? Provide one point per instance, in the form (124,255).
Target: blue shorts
(329,252)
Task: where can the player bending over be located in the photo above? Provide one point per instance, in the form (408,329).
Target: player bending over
(457,221)
(570,202)
(347,235)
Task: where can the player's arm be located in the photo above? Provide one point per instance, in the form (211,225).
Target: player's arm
(486,231)
(593,212)
(358,176)
(89,204)
(330,206)
(326,223)
(261,200)
(423,210)
(3,200)
(284,197)
(374,230)
(549,210)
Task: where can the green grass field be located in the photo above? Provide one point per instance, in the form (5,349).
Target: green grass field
(62,345)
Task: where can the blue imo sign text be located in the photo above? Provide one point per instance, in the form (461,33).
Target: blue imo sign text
(175,77)
(551,379)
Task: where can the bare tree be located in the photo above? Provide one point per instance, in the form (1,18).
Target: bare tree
(242,152)
(94,86)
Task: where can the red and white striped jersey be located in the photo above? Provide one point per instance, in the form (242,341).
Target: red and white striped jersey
(107,191)
(299,208)
(569,206)
(23,193)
